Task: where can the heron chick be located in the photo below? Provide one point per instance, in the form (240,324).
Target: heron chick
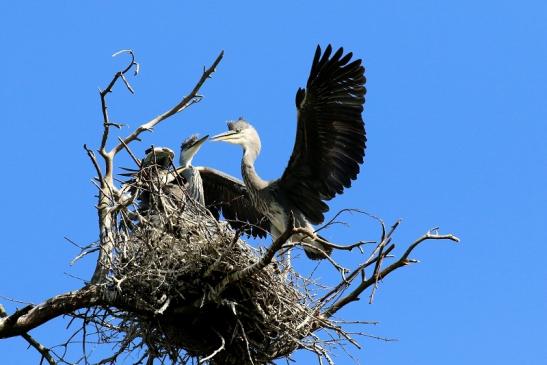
(194,184)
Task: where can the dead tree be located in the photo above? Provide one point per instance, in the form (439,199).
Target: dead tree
(178,286)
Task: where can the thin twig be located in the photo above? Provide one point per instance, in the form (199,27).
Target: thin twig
(223,342)
(91,155)
(135,159)
(263,262)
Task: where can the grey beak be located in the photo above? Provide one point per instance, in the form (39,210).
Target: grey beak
(223,136)
(200,141)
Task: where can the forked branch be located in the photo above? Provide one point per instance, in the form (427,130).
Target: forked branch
(188,100)
(110,198)
(379,273)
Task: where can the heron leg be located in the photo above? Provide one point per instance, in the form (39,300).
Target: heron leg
(286,255)
(287,259)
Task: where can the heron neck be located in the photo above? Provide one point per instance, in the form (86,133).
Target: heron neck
(185,161)
(250,177)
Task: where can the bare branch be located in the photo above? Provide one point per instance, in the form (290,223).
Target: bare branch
(183,104)
(135,159)
(91,155)
(44,351)
(349,279)
(402,261)
(107,90)
(107,189)
(385,240)
(84,252)
(33,316)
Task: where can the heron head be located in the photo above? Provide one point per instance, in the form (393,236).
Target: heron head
(189,147)
(242,133)
(161,156)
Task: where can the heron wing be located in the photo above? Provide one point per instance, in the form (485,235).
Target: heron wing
(227,195)
(330,138)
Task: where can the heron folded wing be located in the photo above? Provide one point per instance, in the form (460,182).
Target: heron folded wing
(227,195)
(330,138)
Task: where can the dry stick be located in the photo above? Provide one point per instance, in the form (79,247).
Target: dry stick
(217,262)
(108,90)
(94,161)
(135,159)
(84,252)
(342,270)
(246,342)
(344,284)
(13,300)
(403,261)
(315,237)
(385,240)
(259,265)
(339,213)
(112,359)
(44,351)
(222,344)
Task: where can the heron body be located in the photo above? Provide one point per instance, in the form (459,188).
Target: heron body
(329,147)
(162,157)
(266,196)
(219,192)
(154,174)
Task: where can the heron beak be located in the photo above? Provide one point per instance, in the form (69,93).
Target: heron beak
(200,141)
(196,146)
(188,153)
(226,136)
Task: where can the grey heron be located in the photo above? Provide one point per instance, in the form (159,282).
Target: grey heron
(194,184)
(153,175)
(220,193)
(328,149)
(160,156)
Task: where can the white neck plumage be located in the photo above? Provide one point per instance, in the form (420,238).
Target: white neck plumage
(250,177)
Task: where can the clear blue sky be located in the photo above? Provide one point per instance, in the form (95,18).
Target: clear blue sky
(456,117)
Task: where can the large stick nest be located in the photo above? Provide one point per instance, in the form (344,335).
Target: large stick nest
(168,265)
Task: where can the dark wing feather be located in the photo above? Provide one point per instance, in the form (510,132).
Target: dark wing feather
(226,194)
(330,137)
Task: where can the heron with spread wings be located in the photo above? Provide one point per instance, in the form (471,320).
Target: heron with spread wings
(329,147)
